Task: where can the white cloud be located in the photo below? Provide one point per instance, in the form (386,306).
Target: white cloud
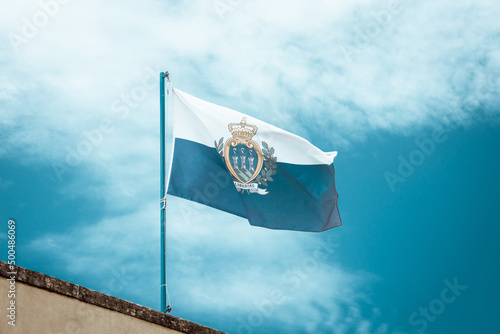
(434,62)
(282,62)
(212,267)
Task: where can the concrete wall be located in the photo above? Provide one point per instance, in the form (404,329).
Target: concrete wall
(41,311)
(45,304)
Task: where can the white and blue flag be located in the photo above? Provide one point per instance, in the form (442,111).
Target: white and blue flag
(238,164)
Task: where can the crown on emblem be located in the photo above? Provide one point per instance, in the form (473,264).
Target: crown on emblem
(242,131)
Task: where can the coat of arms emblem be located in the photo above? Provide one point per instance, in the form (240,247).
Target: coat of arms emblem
(248,165)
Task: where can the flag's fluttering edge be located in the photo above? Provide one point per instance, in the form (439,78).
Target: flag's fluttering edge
(238,164)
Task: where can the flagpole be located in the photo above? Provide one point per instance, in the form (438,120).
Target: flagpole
(165,303)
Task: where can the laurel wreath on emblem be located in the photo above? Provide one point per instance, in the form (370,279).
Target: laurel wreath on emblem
(266,174)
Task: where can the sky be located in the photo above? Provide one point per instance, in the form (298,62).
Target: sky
(406,92)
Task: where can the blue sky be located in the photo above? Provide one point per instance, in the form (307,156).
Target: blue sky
(407,93)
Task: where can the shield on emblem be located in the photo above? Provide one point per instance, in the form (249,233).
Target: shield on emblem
(243,159)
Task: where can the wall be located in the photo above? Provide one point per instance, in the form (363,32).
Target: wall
(45,304)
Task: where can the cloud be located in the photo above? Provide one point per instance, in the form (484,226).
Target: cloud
(111,255)
(423,64)
(410,58)
(285,276)
(284,62)
(333,72)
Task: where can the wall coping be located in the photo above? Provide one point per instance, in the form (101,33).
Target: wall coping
(99,299)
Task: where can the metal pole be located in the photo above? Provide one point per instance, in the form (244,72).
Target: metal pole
(163,195)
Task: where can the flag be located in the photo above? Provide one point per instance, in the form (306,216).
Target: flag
(241,165)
